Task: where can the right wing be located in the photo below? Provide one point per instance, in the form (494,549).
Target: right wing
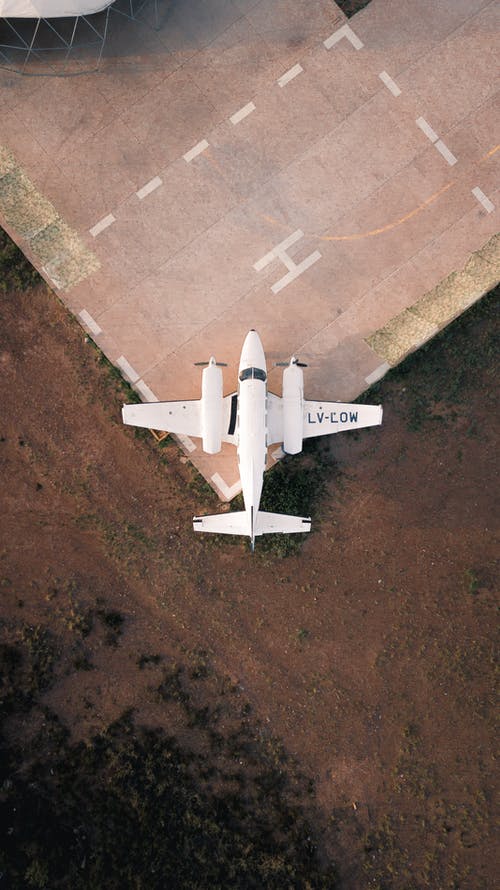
(172,417)
(323,418)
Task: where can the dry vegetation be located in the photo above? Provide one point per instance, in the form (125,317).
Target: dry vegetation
(178,713)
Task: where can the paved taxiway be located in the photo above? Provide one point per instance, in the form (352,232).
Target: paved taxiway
(268,165)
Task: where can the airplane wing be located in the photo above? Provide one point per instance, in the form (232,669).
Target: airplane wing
(173,417)
(274,418)
(322,418)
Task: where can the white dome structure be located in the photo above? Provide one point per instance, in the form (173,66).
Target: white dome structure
(47,9)
(41,37)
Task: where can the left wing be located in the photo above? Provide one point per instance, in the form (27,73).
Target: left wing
(173,417)
(322,418)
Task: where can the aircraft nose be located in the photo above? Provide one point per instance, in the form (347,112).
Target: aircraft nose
(252,354)
(251,337)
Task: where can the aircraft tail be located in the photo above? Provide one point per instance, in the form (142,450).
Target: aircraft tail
(268,523)
(224,523)
(242,523)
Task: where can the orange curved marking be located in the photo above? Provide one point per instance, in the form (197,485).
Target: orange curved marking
(391,225)
(490,153)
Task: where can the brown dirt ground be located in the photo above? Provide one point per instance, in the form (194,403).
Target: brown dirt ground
(369,654)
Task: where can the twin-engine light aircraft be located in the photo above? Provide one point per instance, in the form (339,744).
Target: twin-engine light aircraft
(252,419)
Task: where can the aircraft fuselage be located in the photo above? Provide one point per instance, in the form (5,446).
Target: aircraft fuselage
(251,424)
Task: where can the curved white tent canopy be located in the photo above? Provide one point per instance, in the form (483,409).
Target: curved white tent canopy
(49,9)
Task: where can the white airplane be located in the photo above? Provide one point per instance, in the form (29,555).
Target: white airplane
(252,419)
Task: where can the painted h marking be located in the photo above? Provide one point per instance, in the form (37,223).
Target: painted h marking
(483,199)
(294,269)
(348,33)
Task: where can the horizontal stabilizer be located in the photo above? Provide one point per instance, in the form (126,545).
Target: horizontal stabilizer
(280,522)
(224,523)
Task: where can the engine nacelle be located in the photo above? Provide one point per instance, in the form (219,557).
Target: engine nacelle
(211,408)
(293,409)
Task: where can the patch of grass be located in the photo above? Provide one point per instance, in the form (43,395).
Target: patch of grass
(28,669)
(437,380)
(472,582)
(16,272)
(82,663)
(127,808)
(413,773)
(293,486)
(385,861)
(351,7)
(145,660)
(113,622)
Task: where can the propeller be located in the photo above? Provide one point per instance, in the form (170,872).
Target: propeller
(211,362)
(293,361)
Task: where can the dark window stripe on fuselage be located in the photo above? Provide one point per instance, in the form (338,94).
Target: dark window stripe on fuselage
(234,411)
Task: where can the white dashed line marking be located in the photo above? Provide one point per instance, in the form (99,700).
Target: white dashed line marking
(433,330)
(56,282)
(242,113)
(445,152)
(102,224)
(145,391)
(390,83)
(348,33)
(289,75)
(294,269)
(149,187)
(89,322)
(438,143)
(378,373)
(427,129)
(186,441)
(196,150)
(483,199)
(127,369)
(228,492)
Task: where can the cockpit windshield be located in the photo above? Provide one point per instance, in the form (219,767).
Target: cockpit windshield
(253,374)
